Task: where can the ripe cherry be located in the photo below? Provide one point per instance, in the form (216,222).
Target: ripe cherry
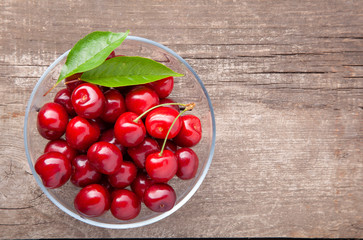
(190,132)
(127,132)
(141,151)
(54,169)
(159,120)
(73,81)
(141,183)
(61,146)
(169,145)
(161,168)
(125,204)
(141,98)
(124,176)
(88,101)
(160,197)
(83,173)
(162,87)
(92,201)
(81,134)
(187,163)
(105,157)
(109,136)
(52,121)
(115,106)
(168,100)
(63,97)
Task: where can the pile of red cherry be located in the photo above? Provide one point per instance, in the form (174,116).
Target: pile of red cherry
(115,155)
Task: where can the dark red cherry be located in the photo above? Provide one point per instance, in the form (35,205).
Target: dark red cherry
(109,136)
(83,173)
(125,205)
(73,81)
(105,157)
(81,134)
(88,101)
(159,120)
(141,98)
(92,201)
(169,145)
(127,132)
(102,125)
(54,169)
(140,184)
(161,168)
(124,176)
(63,97)
(115,106)
(104,182)
(190,132)
(187,163)
(162,87)
(61,146)
(168,100)
(112,55)
(141,151)
(124,89)
(160,197)
(52,121)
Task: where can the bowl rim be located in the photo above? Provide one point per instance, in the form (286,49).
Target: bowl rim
(144,222)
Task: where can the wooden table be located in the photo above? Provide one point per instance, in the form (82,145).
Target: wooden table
(286,82)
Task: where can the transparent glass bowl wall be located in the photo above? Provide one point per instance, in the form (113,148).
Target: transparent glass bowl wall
(188,88)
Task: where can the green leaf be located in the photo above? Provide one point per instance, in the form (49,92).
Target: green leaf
(125,71)
(90,52)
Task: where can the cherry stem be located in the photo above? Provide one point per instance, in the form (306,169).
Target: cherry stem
(188,107)
(72,81)
(45,94)
(160,105)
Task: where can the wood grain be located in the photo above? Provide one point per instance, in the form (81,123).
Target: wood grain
(286,82)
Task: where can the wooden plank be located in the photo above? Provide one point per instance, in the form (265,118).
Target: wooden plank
(286,82)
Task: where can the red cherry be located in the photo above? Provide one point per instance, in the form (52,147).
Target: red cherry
(112,55)
(187,163)
(140,184)
(168,100)
(52,121)
(127,132)
(88,101)
(162,87)
(61,146)
(141,151)
(125,205)
(124,176)
(92,201)
(81,134)
(109,136)
(105,157)
(169,145)
(140,98)
(54,169)
(83,173)
(161,168)
(115,106)
(159,120)
(73,81)
(190,132)
(160,197)
(63,97)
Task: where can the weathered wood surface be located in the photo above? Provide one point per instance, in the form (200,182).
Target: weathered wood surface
(286,81)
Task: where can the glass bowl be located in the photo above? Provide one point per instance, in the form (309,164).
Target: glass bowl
(188,88)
